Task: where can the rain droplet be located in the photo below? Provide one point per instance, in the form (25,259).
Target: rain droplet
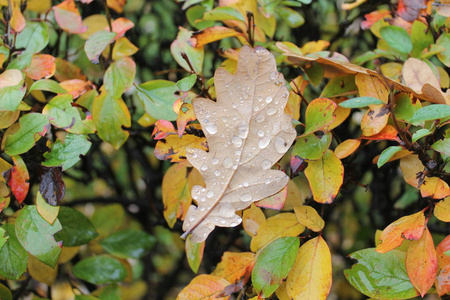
(266,164)
(224,119)
(259,118)
(210,194)
(246,197)
(202,199)
(237,152)
(263,142)
(271,110)
(227,162)
(222,221)
(273,75)
(234,105)
(259,98)
(203,190)
(243,130)
(233,224)
(217,172)
(195,197)
(239,219)
(215,161)
(194,155)
(192,218)
(237,141)
(202,208)
(281,146)
(269,99)
(256,108)
(212,128)
(245,95)
(285,94)
(204,167)
(267,181)
(246,184)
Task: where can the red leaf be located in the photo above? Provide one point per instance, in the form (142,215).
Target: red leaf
(17,178)
(373,17)
(162,129)
(68,17)
(120,26)
(42,66)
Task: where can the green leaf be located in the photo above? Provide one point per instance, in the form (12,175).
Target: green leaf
(13,257)
(85,297)
(387,154)
(360,102)
(340,86)
(381,276)
(292,18)
(76,230)
(3,238)
(96,43)
(33,38)
(195,55)
(5,293)
(319,114)
(444,42)
(120,76)
(194,253)
(420,134)
(223,13)
(187,83)
(442,146)
(111,292)
(128,243)
(158,97)
(311,146)
(100,269)
(109,116)
(431,112)
(273,264)
(108,218)
(194,15)
(421,38)
(32,127)
(397,38)
(11,97)
(405,108)
(47,85)
(36,235)
(67,153)
(315,73)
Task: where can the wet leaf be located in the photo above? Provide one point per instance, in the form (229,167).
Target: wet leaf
(17,178)
(76,230)
(51,187)
(32,128)
(325,177)
(381,276)
(234,177)
(174,147)
(224,13)
(128,243)
(204,287)
(67,153)
(100,269)
(13,257)
(310,278)
(408,227)
(273,264)
(235,265)
(37,236)
(194,253)
(421,262)
(278,226)
(68,17)
(292,18)
(110,115)
(308,216)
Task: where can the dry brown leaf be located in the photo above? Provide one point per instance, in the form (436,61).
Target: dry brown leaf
(247,132)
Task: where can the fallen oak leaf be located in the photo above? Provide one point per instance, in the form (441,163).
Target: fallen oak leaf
(247,132)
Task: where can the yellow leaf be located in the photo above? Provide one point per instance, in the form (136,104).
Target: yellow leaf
(40,271)
(371,86)
(411,166)
(48,212)
(205,287)
(309,217)
(252,218)
(310,278)
(123,48)
(421,263)
(93,23)
(325,177)
(10,77)
(234,266)
(442,210)
(297,192)
(408,227)
(246,136)
(281,225)
(212,34)
(346,148)
(314,46)
(174,147)
(435,188)
(67,253)
(375,119)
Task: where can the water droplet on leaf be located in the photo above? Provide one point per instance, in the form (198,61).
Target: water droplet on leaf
(263,142)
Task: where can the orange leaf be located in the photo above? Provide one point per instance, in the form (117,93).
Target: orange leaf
(42,66)
(18,21)
(185,115)
(205,287)
(411,166)
(421,263)
(162,129)
(120,26)
(435,188)
(325,177)
(373,17)
(346,148)
(76,87)
(116,5)
(375,119)
(442,210)
(212,34)
(408,227)
(66,70)
(371,86)
(17,178)
(68,17)
(310,278)
(234,266)
(442,281)
(388,133)
(443,260)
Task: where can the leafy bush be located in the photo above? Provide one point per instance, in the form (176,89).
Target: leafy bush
(126,125)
